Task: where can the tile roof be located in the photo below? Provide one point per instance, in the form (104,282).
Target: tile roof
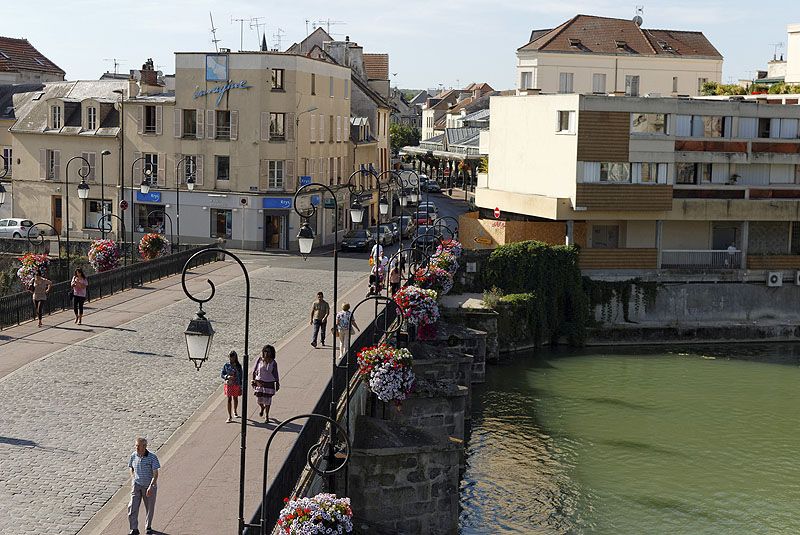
(603,35)
(18,54)
(376,66)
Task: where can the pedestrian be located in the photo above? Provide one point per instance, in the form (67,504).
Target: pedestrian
(319,318)
(376,254)
(344,325)
(394,279)
(266,380)
(79,285)
(144,467)
(40,288)
(232,374)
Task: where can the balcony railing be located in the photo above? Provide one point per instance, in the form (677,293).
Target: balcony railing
(701,259)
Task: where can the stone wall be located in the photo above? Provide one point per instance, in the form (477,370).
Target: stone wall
(437,407)
(465,341)
(466,310)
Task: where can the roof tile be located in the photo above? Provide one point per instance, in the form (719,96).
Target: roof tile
(19,54)
(376,66)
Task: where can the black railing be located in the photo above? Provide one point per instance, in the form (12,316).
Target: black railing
(287,477)
(18,307)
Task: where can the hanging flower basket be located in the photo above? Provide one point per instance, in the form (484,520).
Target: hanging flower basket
(103,255)
(445,260)
(31,264)
(454,246)
(434,278)
(419,305)
(388,371)
(372,356)
(323,513)
(153,245)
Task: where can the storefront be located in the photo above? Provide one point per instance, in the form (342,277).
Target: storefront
(276,222)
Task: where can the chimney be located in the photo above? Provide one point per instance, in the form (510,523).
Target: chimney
(149,79)
(133,88)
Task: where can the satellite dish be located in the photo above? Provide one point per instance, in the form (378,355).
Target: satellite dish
(638,20)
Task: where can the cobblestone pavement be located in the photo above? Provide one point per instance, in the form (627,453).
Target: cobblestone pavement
(69,420)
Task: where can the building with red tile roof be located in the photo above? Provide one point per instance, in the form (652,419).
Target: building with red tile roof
(20,63)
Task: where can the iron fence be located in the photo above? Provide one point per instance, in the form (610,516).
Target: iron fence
(18,307)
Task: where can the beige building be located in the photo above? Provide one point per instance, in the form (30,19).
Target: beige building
(651,183)
(21,63)
(64,128)
(250,128)
(589,54)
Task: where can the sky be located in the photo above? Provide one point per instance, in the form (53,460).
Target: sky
(449,43)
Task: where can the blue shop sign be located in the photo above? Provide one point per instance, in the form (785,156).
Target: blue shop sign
(315,200)
(276,203)
(305,180)
(151,196)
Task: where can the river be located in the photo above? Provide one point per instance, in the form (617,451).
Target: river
(642,441)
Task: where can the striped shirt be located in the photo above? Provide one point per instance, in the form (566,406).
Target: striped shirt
(143,467)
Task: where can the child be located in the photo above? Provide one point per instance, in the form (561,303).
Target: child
(232,374)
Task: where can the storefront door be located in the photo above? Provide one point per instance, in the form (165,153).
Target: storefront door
(274,231)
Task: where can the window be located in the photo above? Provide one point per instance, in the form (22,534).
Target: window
(565,82)
(605,236)
(55,116)
(313,84)
(146,222)
(700,82)
(150,120)
(223,167)
(151,164)
(7,163)
(598,83)
(321,128)
(526,80)
(275,174)
(277,79)
(649,123)
(566,122)
(795,243)
(674,84)
(93,211)
(223,129)
(91,118)
(615,172)
(52,164)
(90,157)
(189,168)
(330,85)
(692,173)
(331,127)
(632,85)
(708,126)
(189,123)
(277,126)
(649,173)
(221,223)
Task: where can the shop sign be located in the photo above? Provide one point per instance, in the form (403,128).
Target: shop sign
(151,196)
(305,180)
(276,203)
(221,89)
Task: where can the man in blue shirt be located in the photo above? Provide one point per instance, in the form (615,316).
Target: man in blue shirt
(144,466)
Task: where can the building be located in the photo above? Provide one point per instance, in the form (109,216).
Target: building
(403,112)
(650,183)
(21,63)
(59,133)
(250,128)
(589,54)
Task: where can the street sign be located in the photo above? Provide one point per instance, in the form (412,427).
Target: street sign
(305,180)
(496,212)
(123,205)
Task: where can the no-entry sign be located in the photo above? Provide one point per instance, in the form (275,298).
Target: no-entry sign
(496,213)
(123,204)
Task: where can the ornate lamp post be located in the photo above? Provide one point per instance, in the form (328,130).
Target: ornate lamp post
(103,190)
(171,235)
(144,187)
(83,191)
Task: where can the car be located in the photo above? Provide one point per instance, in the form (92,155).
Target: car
(395,230)
(431,186)
(357,239)
(429,210)
(15,228)
(427,235)
(425,217)
(406,224)
(385,235)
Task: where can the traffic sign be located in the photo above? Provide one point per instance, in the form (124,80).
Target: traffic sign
(243,201)
(496,212)
(123,205)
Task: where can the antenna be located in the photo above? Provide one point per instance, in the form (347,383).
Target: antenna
(775,48)
(213,33)
(637,19)
(328,23)
(255,25)
(277,36)
(307,21)
(241,31)
(116,63)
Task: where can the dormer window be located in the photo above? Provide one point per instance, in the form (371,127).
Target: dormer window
(622,45)
(574,42)
(4,55)
(665,46)
(55,116)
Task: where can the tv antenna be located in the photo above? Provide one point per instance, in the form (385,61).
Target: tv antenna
(277,36)
(241,31)
(256,25)
(213,33)
(116,63)
(328,23)
(775,48)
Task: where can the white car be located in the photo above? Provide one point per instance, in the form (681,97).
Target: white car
(15,227)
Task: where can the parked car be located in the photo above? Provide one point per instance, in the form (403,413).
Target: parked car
(357,239)
(427,235)
(385,235)
(15,228)
(431,186)
(429,209)
(425,217)
(406,224)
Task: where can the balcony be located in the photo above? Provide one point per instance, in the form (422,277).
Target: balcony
(701,259)
(627,197)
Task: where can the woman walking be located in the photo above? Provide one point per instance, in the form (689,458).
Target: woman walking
(232,374)
(394,279)
(345,322)
(266,380)
(79,285)
(40,288)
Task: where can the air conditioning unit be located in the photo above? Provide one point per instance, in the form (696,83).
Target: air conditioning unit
(774,279)
(797,278)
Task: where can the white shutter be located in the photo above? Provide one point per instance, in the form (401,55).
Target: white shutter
(662,173)
(683,125)
(788,128)
(288,176)
(92,157)
(43,164)
(321,128)
(591,171)
(263,175)
(313,128)
(289,126)
(159,118)
(161,179)
(774,128)
(234,125)
(748,126)
(636,173)
(199,133)
(210,124)
(177,122)
(198,170)
(57,165)
(338,128)
(264,126)
(140,127)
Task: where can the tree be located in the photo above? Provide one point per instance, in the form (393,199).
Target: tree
(403,135)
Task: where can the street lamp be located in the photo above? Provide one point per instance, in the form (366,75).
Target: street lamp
(383,205)
(199,335)
(103,189)
(356,211)
(133,222)
(144,187)
(83,191)
(305,238)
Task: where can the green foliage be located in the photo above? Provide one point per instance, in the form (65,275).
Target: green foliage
(403,135)
(783,89)
(521,318)
(483,165)
(611,295)
(492,297)
(551,273)
(716,88)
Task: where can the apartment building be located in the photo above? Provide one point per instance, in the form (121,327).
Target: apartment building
(249,128)
(651,183)
(589,54)
(21,63)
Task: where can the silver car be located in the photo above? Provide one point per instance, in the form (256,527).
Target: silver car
(15,228)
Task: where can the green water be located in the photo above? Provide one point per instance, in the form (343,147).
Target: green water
(645,443)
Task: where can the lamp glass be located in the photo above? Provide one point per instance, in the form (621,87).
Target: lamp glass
(403,200)
(199,335)
(190,183)
(83,190)
(414,197)
(305,239)
(383,206)
(356,212)
(144,187)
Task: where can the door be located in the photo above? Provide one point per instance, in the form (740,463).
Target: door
(274,228)
(55,210)
(605,236)
(221,224)
(723,236)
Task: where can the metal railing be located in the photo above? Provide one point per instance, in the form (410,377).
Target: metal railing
(701,259)
(18,307)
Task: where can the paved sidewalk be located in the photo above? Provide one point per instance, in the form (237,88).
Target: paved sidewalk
(199,484)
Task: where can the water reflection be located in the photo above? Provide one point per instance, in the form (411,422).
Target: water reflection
(642,440)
